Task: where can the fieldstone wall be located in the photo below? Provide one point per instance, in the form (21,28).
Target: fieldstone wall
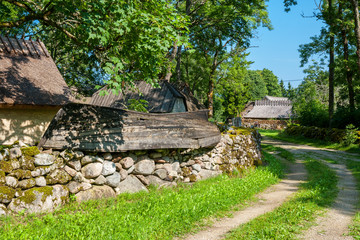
(264,124)
(33,181)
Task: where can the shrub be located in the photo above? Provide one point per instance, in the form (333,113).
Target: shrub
(351,135)
(326,134)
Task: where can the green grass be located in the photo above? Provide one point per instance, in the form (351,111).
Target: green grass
(276,134)
(159,214)
(281,152)
(354,167)
(298,213)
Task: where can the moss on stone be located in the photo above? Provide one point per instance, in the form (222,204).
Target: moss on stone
(27,183)
(6,166)
(186,171)
(29,196)
(6,194)
(58,176)
(30,151)
(21,174)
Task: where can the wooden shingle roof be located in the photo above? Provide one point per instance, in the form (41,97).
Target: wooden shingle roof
(270,108)
(161,100)
(28,74)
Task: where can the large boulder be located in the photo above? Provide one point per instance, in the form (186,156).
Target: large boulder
(40,199)
(108,168)
(95,192)
(92,170)
(131,185)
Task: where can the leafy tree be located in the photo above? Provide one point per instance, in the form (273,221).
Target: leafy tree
(272,82)
(283,89)
(257,86)
(111,41)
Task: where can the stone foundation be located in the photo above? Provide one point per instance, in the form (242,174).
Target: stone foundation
(35,181)
(264,124)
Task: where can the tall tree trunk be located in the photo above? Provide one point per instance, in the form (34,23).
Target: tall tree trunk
(355,4)
(178,65)
(171,58)
(211,95)
(349,74)
(331,61)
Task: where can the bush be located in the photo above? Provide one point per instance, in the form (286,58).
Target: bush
(351,135)
(326,134)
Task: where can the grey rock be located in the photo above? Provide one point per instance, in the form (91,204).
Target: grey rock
(131,184)
(143,180)
(67,155)
(127,162)
(107,156)
(15,164)
(44,159)
(123,174)
(145,167)
(100,180)
(92,170)
(22,144)
(194,172)
(108,168)
(40,181)
(11,181)
(1,157)
(96,192)
(155,180)
(131,169)
(80,178)
(41,171)
(27,183)
(207,165)
(196,167)
(15,152)
(91,159)
(161,173)
(173,174)
(6,194)
(118,166)
(176,167)
(72,172)
(204,173)
(168,167)
(75,187)
(45,199)
(75,164)
(113,180)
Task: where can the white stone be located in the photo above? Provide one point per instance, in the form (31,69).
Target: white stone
(131,169)
(40,181)
(107,156)
(91,159)
(75,187)
(3,209)
(207,165)
(15,152)
(11,181)
(78,154)
(80,178)
(92,170)
(123,174)
(100,180)
(44,159)
(196,167)
(72,172)
(96,192)
(75,164)
(108,168)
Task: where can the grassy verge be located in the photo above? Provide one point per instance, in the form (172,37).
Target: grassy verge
(354,167)
(159,214)
(276,134)
(298,213)
(281,152)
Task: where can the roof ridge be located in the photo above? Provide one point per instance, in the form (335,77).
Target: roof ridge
(13,45)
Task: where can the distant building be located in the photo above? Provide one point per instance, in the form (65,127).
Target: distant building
(165,99)
(268,113)
(32,90)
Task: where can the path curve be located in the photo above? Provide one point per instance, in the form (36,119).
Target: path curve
(334,224)
(270,199)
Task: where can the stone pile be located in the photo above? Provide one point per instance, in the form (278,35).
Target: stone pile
(34,181)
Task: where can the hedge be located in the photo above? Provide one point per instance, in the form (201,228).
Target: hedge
(327,134)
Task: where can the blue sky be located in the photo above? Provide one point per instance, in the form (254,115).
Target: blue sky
(278,49)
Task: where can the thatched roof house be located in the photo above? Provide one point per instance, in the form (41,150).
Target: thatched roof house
(270,112)
(32,90)
(165,99)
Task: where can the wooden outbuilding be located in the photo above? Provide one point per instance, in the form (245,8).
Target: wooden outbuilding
(268,113)
(32,90)
(166,98)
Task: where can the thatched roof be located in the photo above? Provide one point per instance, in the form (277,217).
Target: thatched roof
(270,107)
(161,100)
(29,75)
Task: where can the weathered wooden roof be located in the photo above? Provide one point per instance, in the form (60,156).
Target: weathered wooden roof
(161,100)
(102,129)
(270,107)
(29,75)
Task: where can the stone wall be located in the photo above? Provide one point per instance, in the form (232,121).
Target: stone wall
(35,181)
(264,123)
